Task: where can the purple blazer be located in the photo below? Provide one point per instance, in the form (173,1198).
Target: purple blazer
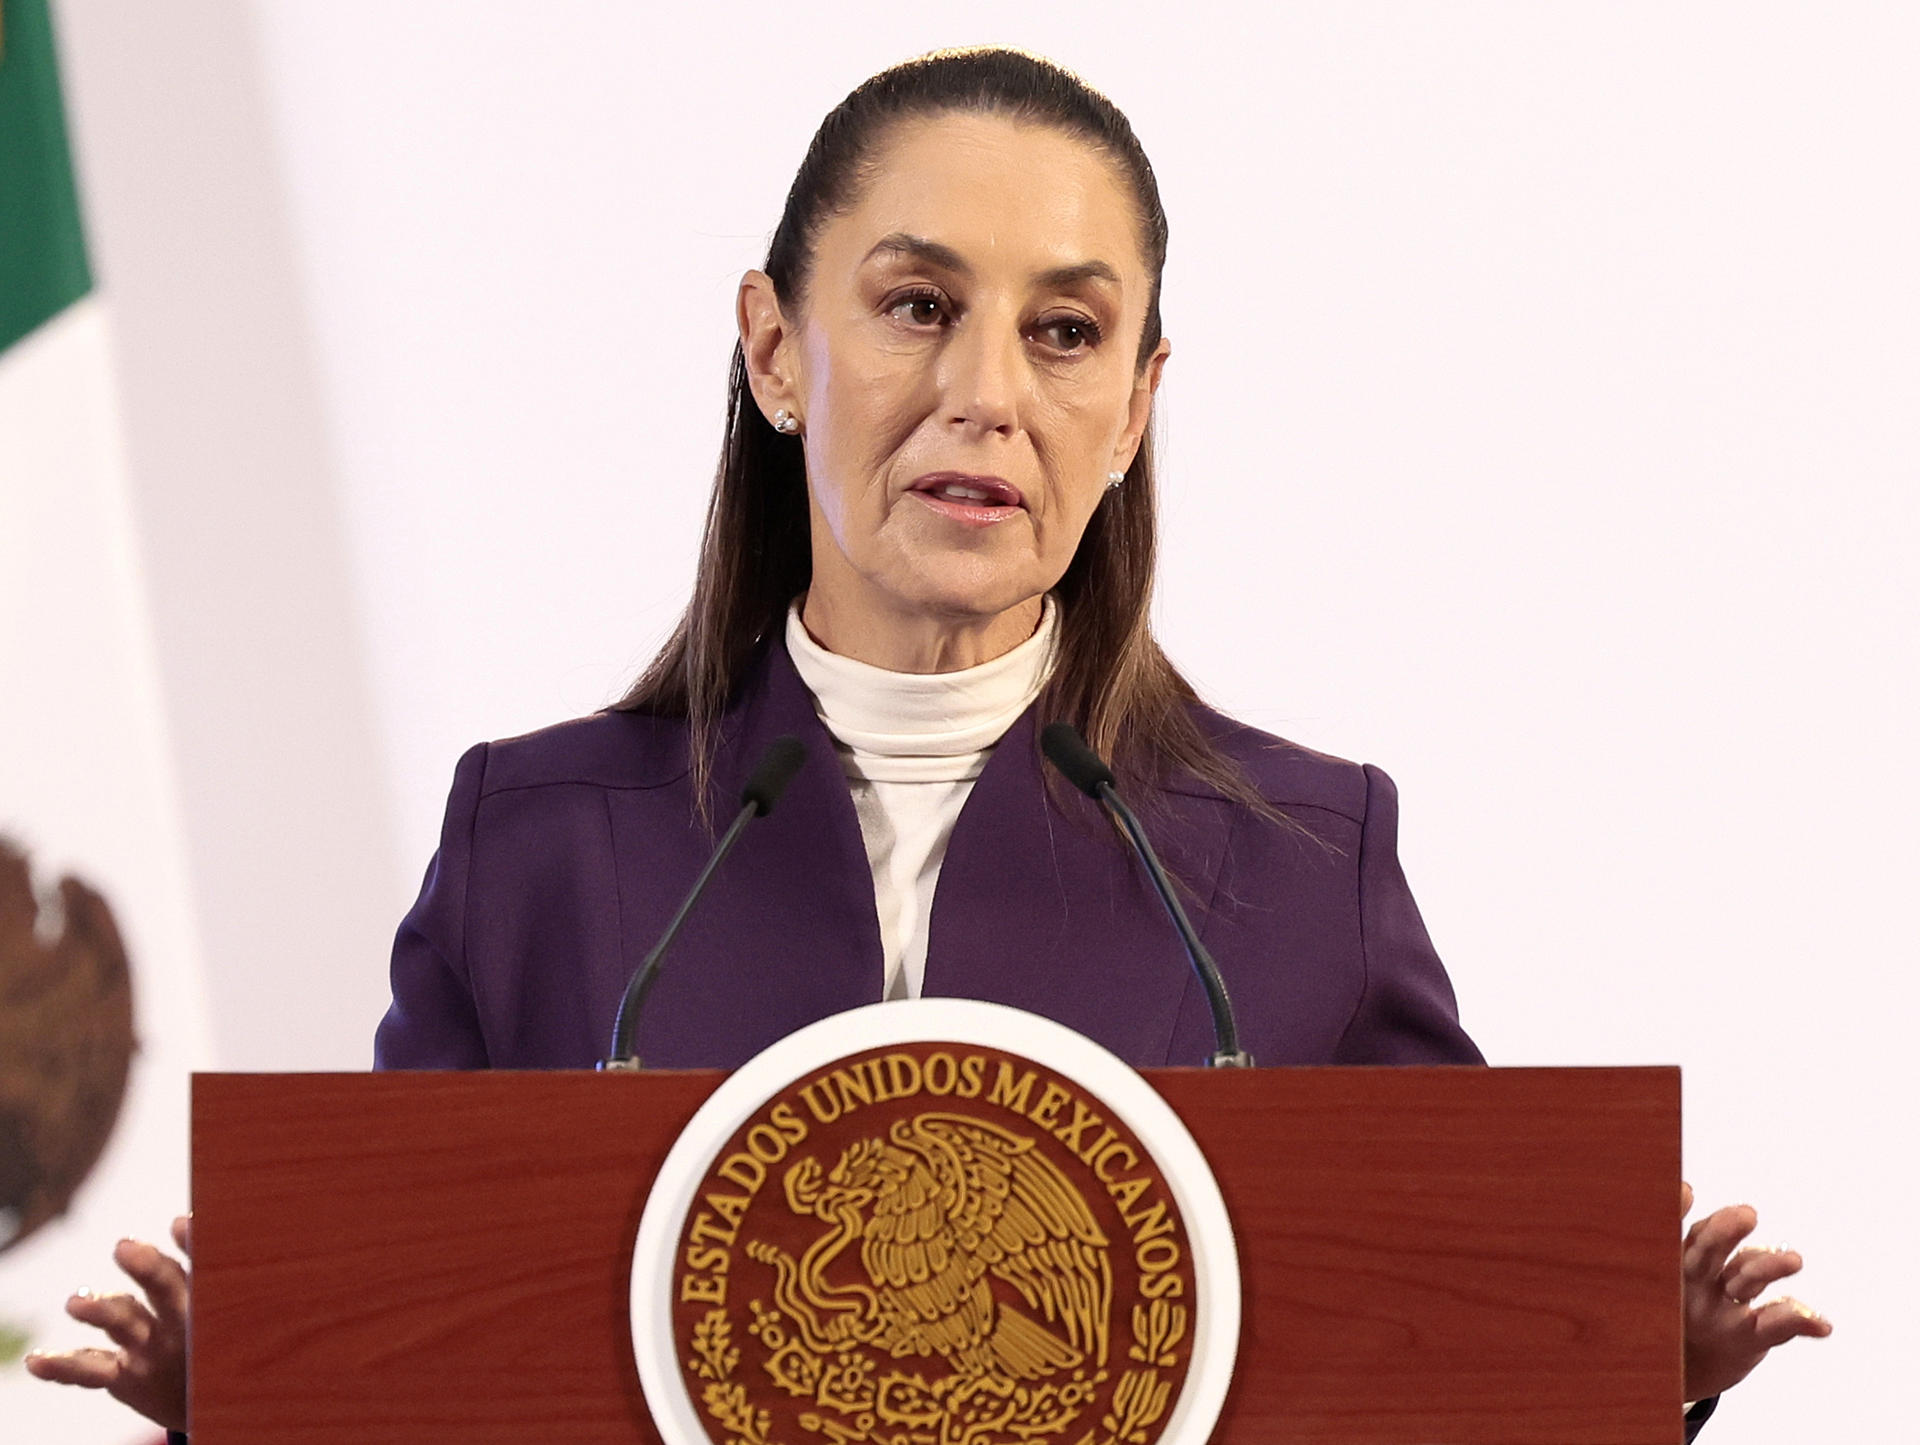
(565,852)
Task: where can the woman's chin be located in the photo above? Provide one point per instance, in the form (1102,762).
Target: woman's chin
(960,591)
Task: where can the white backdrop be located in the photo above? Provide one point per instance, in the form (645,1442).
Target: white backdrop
(1541,426)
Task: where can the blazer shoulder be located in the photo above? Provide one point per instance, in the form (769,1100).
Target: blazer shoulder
(1285,773)
(605,749)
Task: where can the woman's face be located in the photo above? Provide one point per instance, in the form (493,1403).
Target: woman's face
(964,368)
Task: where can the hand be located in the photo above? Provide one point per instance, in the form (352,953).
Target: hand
(1727,1334)
(149,1369)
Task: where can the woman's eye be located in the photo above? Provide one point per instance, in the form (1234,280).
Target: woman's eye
(920,310)
(1070,333)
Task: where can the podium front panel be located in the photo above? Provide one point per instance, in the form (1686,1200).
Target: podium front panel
(1453,1256)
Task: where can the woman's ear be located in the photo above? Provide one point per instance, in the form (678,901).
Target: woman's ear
(767,344)
(1140,405)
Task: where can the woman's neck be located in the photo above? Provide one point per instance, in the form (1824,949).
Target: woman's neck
(916,642)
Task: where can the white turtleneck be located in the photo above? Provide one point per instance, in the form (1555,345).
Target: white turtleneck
(911,745)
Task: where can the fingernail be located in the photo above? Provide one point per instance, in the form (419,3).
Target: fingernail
(83,1293)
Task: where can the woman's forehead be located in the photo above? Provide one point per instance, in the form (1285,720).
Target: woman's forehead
(995,193)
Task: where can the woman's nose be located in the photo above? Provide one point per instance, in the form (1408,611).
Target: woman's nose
(982,376)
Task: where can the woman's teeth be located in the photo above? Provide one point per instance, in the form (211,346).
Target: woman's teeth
(955,492)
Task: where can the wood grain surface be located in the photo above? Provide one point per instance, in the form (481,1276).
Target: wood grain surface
(1429,1256)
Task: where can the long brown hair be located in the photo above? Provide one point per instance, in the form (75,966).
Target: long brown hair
(1111,679)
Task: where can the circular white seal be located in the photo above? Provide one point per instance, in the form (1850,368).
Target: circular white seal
(1215,1329)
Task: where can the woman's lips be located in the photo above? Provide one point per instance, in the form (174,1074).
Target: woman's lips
(975,500)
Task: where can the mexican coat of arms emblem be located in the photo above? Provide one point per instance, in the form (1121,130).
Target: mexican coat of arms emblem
(929,1244)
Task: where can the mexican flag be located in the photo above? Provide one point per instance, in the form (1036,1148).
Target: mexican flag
(51,333)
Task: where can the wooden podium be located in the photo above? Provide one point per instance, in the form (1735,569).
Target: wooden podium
(1428,1256)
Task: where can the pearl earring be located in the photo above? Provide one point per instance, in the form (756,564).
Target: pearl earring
(785,422)
(1114,479)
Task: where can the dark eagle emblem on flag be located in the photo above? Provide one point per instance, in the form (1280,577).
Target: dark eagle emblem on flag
(66,1043)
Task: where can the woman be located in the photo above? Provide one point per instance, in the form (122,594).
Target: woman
(932,530)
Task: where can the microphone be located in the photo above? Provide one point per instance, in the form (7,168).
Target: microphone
(765,784)
(1082,766)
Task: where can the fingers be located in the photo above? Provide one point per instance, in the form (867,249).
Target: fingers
(1750,1271)
(183,1235)
(92,1369)
(1780,1320)
(126,1321)
(1686,1199)
(160,1275)
(1712,1239)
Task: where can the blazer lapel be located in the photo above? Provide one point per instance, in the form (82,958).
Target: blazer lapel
(787,932)
(1042,906)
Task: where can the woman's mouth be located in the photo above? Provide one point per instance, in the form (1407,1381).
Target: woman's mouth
(964,497)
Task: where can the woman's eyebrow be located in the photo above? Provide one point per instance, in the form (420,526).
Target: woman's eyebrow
(919,248)
(1061,277)
(933,253)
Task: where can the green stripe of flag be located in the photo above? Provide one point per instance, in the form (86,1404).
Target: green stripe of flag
(43,252)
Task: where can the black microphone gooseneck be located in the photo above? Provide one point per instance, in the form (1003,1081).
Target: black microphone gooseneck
(1081,766)
(769,779)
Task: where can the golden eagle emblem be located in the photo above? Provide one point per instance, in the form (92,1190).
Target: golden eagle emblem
(928,1245)
(938,1209)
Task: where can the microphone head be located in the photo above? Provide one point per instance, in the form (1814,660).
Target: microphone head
(1078,763)
(772,773)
